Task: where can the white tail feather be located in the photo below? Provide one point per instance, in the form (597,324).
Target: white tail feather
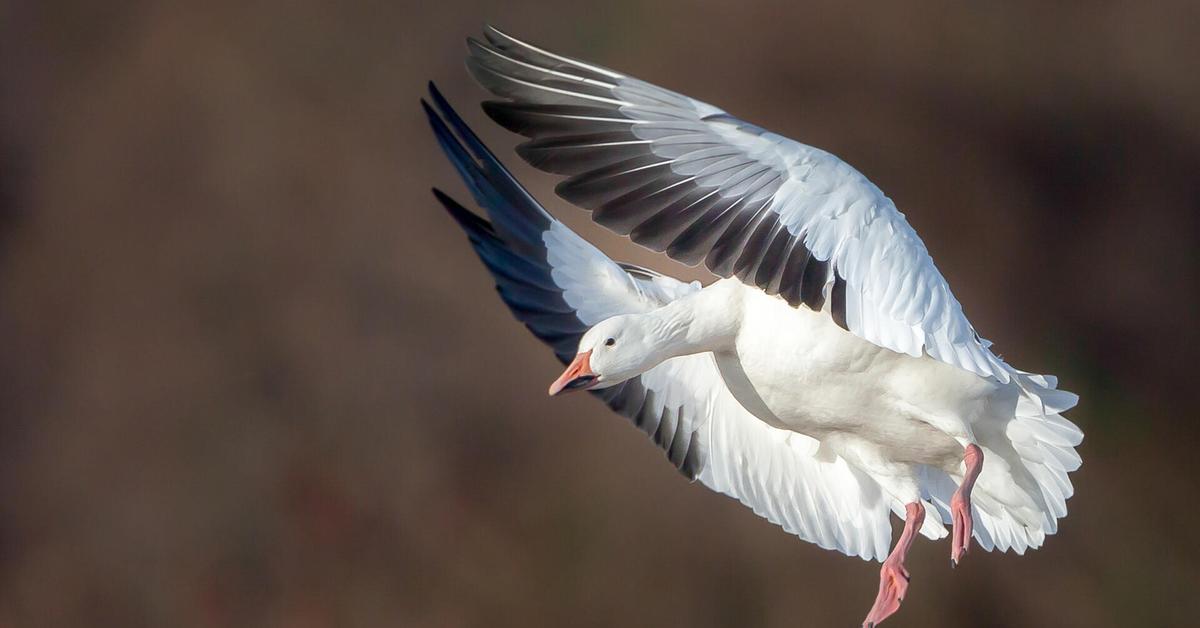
(1020,506)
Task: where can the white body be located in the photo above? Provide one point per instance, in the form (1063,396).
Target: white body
(796,370)
(890,415)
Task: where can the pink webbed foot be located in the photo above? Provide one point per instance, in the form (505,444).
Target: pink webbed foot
(893,576)
(893,586)
(960,505)
(960,538)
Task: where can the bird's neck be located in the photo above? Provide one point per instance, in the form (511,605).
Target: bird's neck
(703,321)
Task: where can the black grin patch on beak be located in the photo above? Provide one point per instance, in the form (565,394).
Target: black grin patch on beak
(583,381)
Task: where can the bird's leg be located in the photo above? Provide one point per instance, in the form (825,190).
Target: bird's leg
(893,576)
(960,504)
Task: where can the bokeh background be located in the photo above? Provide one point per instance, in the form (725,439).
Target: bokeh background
(250,375)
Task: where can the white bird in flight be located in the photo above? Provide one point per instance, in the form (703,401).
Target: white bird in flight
(827,381)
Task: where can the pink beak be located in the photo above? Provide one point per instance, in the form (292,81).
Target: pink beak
(578,376)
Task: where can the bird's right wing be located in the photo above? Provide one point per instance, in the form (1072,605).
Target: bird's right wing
(683,177)
(559,285)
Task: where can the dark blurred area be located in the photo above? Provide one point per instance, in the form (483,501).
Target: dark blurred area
(253,376)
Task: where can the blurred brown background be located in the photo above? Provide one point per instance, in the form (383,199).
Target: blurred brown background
(252,375)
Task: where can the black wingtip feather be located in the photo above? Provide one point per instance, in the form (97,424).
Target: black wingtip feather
(467,219)
(468,136)
(838,304)
(812,285)
(513,211)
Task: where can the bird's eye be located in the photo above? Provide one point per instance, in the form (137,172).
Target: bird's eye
(610,342)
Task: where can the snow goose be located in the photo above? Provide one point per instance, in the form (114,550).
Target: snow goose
(828,380)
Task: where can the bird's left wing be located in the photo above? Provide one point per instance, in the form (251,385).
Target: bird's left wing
(559,285)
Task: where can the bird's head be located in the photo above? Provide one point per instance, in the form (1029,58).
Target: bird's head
(613,351)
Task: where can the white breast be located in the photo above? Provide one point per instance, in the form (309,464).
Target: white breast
(796,369)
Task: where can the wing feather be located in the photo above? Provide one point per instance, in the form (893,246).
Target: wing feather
(682,176)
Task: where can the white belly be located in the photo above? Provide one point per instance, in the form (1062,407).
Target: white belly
(796,369)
